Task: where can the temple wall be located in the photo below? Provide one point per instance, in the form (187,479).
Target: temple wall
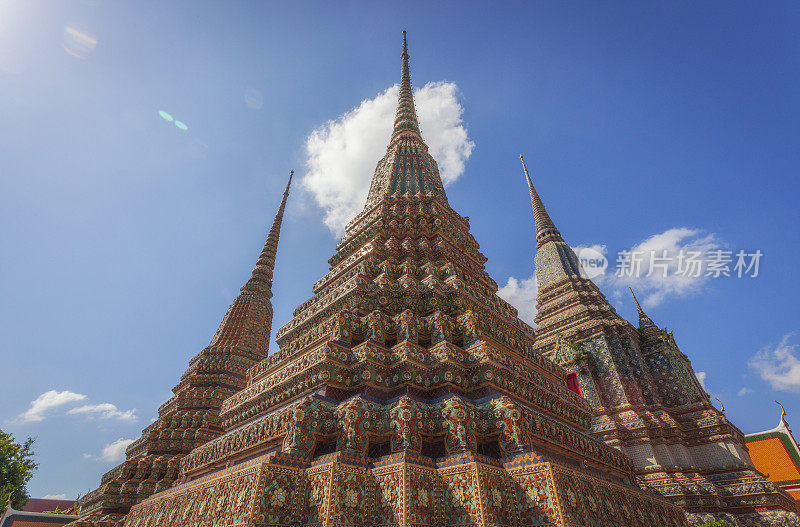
(664,455)
(706,456)
(717,455)
(224,498)
(345,489)
(642,455)
(743,453)
(681,454)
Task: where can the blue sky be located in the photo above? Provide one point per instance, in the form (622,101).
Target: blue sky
(124,238)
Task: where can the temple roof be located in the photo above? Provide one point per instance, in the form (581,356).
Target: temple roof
(15,518)
(776,454)
(46,504)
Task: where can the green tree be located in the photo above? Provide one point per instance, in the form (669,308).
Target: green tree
(715,523)
(16,469)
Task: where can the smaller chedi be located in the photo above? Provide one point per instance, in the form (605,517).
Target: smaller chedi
(191,417)
(645,397)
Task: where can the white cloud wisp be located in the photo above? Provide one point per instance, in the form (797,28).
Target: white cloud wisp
(653,282)
(522,295)
(341,155)
(104,411)
(665,271)
(701,378)
(115,452)
(47,401)
(43,405)
(779,365)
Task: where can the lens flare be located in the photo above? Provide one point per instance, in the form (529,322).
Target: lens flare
(254,99)
(78,44)
(167,117)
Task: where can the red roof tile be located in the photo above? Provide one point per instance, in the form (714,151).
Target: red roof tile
(42,504)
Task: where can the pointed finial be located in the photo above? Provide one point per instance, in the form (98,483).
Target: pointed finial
(545,228)
(721,406)
(405,119)
(288,183)
(525,169)
(783,414)
(644,320)
(635,301)
(261,280)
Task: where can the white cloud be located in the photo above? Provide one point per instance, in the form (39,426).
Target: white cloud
(654,283)
(744,391)
(115,452)
(342,154)
(54,497)
(46,401)
(439,113)
(49,400)
(779,365)
(105,411)
(87,455)
(522,295)
(701,377)
(651,290)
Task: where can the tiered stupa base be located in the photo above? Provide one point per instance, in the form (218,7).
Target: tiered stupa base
(404,488)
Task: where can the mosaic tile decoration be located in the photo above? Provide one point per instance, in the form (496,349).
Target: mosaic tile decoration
(646,398)
(406,392)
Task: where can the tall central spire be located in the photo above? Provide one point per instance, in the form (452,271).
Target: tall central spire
(545,228)
(405,120)
(407,169)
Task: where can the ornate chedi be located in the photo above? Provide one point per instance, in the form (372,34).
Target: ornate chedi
(646,399)
(191,416)
(406,392)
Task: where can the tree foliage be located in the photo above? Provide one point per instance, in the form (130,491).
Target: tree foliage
(715,523)
(16,469)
